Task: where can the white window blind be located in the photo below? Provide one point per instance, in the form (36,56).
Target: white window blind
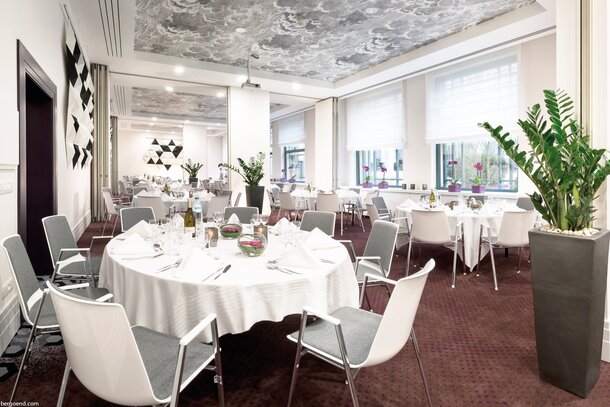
(291,129)
(474,92)
(375,119)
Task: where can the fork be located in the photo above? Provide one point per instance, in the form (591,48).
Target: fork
(280,269)
(170,266)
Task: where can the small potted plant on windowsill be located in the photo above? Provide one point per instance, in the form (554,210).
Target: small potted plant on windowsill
(454,185)
(192,169)
(292,179)
(283,178)
(367,178)
(383,184)
(477,182)
(252,173)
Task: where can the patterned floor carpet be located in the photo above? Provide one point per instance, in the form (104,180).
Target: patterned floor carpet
(477,344)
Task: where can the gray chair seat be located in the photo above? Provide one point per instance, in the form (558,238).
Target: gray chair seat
(77,268)
(359,328)
(368,266)
(160,353)
(47,314)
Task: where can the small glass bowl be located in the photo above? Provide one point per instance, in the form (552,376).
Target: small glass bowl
(230,230)
(252,245)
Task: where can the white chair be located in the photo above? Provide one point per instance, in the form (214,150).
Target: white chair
(325,221)
(513,232)
(36,312)
(154,202)
(330,203)
(113,206)
(352,338)
(131,216)
(432,228)
(287,205)
(130,365)
(244,213)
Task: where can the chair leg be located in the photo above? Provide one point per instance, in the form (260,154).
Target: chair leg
(493,265)
(64,384)
(421,366)
(218,379)
(295,369)
(455,249)
(519,264)
(409,255)
(479,257)
(352,386)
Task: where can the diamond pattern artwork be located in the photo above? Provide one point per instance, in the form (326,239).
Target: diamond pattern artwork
(165,152)
(79,126)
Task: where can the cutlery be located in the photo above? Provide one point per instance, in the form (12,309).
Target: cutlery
(222,272)
(327,261)
(170,266)
(143,257)
(281,269)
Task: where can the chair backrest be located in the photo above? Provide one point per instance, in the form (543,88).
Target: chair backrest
(328,203)
(137,190)
(131,216)
(286,187)
(101,349)
(525,202)
(293,187)
(217,204)
(272,203)
(108,203)
(325,221)
(368,198)
(244,213)
(237,199)
(514,228)
(397,321)
(372,211)
(123,187)
(286,201)
(356,190)
(381,242)
(380,204)
(23,273)
(430,226)
(59,236)
(154,202)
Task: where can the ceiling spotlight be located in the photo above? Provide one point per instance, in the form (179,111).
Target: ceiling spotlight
(187,121)
(154,119)
(209,128)
(240,30)
(169,88)
(296,86)
(151,124)
(148,131)
(178,69)
(220,95)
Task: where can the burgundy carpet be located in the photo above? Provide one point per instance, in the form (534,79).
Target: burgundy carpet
(477,345)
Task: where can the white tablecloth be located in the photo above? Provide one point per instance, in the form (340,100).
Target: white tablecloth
(246,294)
(179,203)
(306,199)
(472,228)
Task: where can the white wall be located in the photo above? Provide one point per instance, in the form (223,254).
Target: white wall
(132,146)
(216,154)
(324,148)
(310,146)
(248,132)
(39,24)
(194,140)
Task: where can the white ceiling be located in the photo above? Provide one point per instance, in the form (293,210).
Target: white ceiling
(106,28)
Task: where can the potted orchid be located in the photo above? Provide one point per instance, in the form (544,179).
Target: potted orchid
(283,179)
(383,184)
(455,185)
(477,182)
(367,178)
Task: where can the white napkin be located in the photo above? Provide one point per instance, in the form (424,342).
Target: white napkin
(198,267)
(234,219)
(177,221)
(300,257)
(141,228)
(281,226)
(134,245)
(316,240)
(410,204)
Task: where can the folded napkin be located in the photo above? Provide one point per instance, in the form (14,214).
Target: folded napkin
(282,226)
(234,219)
(134,245)
(316,240)
(410,204)
(177,221)
(300,257)
(198,266)
(146,193)
(141,228)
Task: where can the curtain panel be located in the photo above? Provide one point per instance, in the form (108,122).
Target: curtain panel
(100,166)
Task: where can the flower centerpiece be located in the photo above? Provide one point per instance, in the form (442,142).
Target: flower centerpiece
(477,181)
(252,245)
(192,169)
(293,179)
(252,172)
(230,230)
(283,178)
(383,184)
(455,185)
(367,178)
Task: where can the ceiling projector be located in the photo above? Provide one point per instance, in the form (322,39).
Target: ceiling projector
(248,83)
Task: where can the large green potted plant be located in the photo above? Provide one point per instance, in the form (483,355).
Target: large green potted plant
(192,169)
(569,258)
(252,172)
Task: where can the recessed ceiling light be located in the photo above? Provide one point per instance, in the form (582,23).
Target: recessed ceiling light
(240,30)
(169,88)
(148,131)
(173,132)
(209,128)
(296,86)
(241,78)
(187,121)
(151,124)
(154,119)
(179,69)
(220,95)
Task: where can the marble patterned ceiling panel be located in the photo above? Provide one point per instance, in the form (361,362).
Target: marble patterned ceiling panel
(145,101)
(320,39)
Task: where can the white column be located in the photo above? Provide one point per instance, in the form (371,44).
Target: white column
(323,145)
(310,146)
(194,140)
(248,129)
(276,166)
(568,48)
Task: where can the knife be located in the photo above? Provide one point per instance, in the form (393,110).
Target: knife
(222,272)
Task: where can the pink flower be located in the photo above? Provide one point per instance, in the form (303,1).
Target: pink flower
(478,166)
(452,162)
(365,168)
(384,169)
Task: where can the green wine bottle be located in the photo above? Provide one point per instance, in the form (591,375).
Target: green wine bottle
(189,219)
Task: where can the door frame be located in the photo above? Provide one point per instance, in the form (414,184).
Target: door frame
(28,67)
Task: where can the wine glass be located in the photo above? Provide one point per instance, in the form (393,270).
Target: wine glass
(218,217)
(256,219)
(264,219)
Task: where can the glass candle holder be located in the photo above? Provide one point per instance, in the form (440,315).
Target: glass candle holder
(262,229)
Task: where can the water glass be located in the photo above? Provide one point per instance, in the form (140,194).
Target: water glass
(213,249)
(264,219)
(218,217)
(256,219)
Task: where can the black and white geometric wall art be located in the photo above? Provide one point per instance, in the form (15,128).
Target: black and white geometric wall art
(164,152)
(79,120)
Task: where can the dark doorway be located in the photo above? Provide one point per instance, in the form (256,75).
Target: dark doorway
(37,186)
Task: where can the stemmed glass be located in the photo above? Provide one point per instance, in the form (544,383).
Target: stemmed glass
(264,219)
(256,219)
(218,217)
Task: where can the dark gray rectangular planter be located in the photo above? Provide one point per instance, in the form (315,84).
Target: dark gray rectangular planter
(569,283)
(255,195)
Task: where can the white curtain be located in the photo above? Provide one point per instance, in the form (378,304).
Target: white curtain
(459,98)
(291,129)
(100,166)
(375,119)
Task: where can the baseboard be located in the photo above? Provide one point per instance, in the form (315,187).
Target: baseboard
(606,342)
(9,325)
(81,226)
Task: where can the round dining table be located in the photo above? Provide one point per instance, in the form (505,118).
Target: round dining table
(175,300)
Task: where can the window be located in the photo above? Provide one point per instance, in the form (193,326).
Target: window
(375,160)
(499,173)
(294,162)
